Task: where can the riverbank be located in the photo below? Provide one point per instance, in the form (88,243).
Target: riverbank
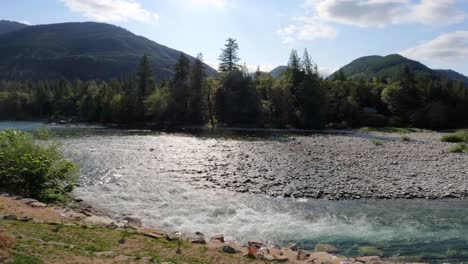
(34,232)
(346,165)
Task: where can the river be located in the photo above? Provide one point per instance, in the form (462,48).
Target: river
(161,179)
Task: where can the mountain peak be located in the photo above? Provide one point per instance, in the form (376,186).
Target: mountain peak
(391,66)
(81,50)
(7,26)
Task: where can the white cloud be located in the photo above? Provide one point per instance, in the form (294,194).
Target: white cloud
(446,48)
(217,4)
(377,13)
(111,10)
(306,28)
(327,71)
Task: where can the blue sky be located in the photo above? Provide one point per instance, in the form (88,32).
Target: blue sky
(335,32)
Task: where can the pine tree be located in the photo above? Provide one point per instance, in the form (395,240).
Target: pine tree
(195,104)
(145,78)
(182,69)
(229,56)
(294,62)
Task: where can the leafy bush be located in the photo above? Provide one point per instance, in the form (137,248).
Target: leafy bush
(457,137)
(459,148)
(406,138)
(32,170)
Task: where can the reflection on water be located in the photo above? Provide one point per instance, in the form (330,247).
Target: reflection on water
(158,177)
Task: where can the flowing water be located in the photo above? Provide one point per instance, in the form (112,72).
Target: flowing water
(158,178)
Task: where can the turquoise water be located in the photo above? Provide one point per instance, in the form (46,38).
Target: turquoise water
(120,175)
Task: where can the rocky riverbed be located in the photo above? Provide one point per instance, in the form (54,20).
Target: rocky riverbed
(338,166)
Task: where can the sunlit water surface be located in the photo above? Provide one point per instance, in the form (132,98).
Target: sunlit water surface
(156,177)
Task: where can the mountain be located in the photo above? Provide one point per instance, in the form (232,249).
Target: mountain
(83,51)
(9,26)
(453,75)
(276,72)
(390,67)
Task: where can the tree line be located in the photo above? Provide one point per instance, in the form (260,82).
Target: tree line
(299,98)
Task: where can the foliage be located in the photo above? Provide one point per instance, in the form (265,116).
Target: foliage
(459,148)
(229,57)
(31,170)
(298,97)
(86,51)
(377,142)
(457,137)
(400,130)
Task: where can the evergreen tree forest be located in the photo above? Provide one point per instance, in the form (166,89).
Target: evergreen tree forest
(299,98)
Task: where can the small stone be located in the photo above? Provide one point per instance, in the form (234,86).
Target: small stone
(303,255)
(293,247)
(38,204)
(133,221)
(269,257)
(218,237)
(229,250)
(197,240)
(105,254)
(368,259)
(256,244)
(153,235)
(10,217)
(281,259)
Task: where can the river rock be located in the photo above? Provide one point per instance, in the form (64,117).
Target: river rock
(256,244)
(321,258)
(229,250)
(197,240)
(293,247)
(38,204)
(133,221)
(10,217)
(303,255)
(369,259)
(154,235)
(105,254)
(218,237)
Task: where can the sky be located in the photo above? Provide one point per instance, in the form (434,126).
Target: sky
(334,32)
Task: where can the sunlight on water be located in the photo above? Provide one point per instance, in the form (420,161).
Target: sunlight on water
(155,178)
(158,178)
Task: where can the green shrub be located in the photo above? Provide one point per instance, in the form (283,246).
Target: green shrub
(32,170)
(406,138)
(377,142)
(459,148)
(457,137)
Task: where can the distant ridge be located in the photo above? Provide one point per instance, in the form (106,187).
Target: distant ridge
(9,26)
(85,51)
(391,66)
